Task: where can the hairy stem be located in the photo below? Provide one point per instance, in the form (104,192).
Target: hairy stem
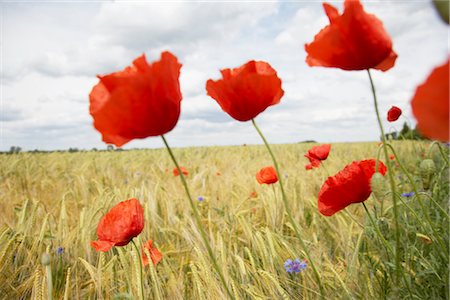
(391,181)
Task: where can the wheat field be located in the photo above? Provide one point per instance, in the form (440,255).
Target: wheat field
(52,203)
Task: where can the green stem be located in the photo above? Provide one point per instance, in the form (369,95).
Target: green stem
(436,234)
(140,269)
(353,219)
(419,200)
(386,244)
(288,210)
(377,230)
(198,220)
(391,181)
(323,164)
(48,269)
(376,169)
(440,150)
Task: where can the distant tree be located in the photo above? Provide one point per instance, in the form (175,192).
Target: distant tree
(71,150)
(14,149)
(94,149)
(307,141)
(409,134)
(405,134)
(391,135)
(110,148)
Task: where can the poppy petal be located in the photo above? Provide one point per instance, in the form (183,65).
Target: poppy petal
(430,104)
(183,170)
(142,100)
(119,225)
(267,175)
(354,40)
(317,154)
(393,114)
(246,91)
(387,63)
(350,185)
(155,254)
(103,246)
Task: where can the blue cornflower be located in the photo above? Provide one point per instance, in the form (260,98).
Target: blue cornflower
(200,198)
(60,250)
(407,195)
(295,266)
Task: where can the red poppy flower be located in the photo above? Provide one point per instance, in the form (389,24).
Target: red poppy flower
(354,40)
(122,223)
(254,194)
(350,185)
(246,91)
(155,255)
(316,154)
(430,104)
(141,101)
(393,114)
(392,157)
(183,170)
(267,175)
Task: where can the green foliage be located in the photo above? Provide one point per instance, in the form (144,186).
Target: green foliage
(409,134)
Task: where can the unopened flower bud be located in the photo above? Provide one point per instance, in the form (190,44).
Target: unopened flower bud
(45,259)
(427,167)
(427,170)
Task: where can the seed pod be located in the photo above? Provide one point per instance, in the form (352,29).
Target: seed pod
(427,170)
(378,186)
(427,167)
(45,259)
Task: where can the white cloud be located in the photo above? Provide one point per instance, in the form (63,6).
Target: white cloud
(52,53)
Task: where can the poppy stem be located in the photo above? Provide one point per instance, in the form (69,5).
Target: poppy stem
(325,168)
(140,269)
(445,157)
(386,244)
(288,210)
(391,181)
(377,230)
(198,220)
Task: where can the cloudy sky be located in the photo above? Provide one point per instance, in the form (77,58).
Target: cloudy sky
(51,53)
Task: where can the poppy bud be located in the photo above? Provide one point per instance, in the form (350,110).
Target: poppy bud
(383,225)
(427,167)
(427,170)
(45,259)
(378,186)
